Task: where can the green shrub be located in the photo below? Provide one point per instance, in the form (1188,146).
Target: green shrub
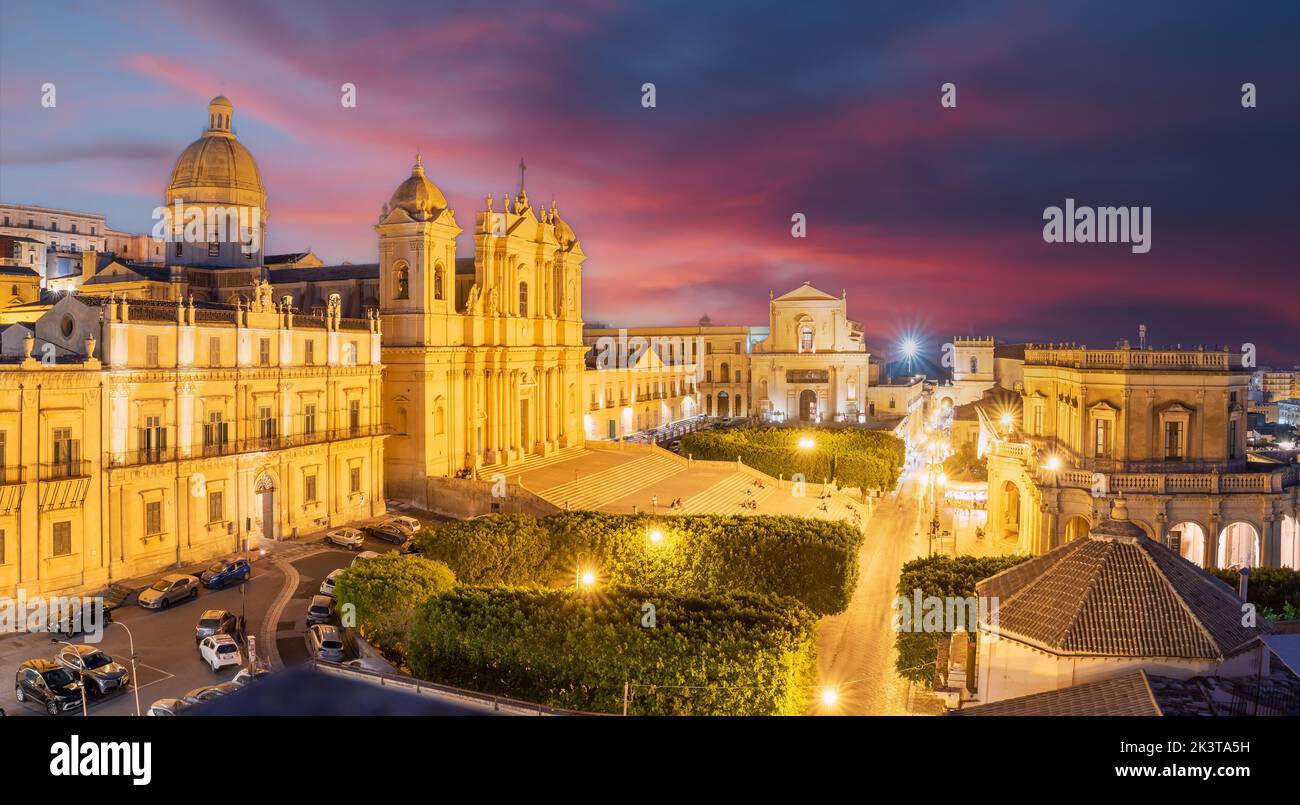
(851,456)
(940,576)
(497,549)
(707,654)
(815,561)
(385,591)
(965,465)
(1270,589)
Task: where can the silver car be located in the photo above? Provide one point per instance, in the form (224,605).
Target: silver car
(326,642)
(320,610)
(327,586)
(168,590)
(346,538)
(101,675)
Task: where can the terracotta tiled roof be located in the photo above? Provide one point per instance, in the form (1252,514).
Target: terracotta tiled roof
(1118,594)
(1130,694)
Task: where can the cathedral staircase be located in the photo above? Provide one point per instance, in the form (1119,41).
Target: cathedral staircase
(532,462)
(608,485)
(726,495)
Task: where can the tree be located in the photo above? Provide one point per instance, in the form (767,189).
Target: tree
(385,591)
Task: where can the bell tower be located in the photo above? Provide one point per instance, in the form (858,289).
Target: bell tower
(417,261)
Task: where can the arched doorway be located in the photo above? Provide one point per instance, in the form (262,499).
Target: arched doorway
(1238,545)
(1010,508)
(1290,542)
(708,405)
(1076,527)
(808,405)
(724,404)
(264,489)
(1188,539)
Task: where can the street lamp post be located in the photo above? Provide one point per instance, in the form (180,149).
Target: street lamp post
(135,681)
(81,674)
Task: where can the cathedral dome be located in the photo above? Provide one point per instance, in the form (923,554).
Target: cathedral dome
(563,232)
(417,194)
(216,168)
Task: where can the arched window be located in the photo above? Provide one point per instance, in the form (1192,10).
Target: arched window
(974,365)
(401,420)
(401,281)
(437,282)
(439,420)
(853,388)
(805,339)
(523,299)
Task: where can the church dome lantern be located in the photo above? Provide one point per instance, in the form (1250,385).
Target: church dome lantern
(217,168)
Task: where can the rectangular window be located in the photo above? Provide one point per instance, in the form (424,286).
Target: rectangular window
(215,432)
(354,414)
(151,351)
(264,351)
(216,507)
(214,351)
(214,248)
(309,488)
(309,419)
(1173,441)
(309,352)
(62,538)
(2,532)
(1101,449)
(266,422)
(153,518)
(4,438)
(178,249)
(67,450)
(1232,439)
(153,439)
(354,480)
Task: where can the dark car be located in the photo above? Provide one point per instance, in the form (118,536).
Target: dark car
(74,622)
(216,621)
(50,684)
(226,572)
(390,532)
(96,669)
(209,692)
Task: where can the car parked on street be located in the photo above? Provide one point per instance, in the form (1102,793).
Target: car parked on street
(409,523)
(49,684)
(364,555)
(168,707)
(325,642)
(207,693)
(320,610)
(389,531)
(220,651)
(346,538)
(225,572)
(215,621)
(246,677)
(74,622)
(168,590)
(96,669)
(327,586)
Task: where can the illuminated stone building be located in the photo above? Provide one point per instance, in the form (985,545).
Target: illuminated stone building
(1167,429)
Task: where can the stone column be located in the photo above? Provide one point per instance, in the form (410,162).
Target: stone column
(490,423)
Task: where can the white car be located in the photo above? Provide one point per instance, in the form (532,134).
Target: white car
(346,538)
(409,523)
(219,651)
(327,586)
(325,642)
(364,555)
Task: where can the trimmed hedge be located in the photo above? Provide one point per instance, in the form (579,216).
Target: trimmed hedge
(385,591)
(708,654)
(851,456)
(814,561)
(940,576)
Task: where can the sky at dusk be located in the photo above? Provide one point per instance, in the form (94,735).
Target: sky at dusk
(931,218)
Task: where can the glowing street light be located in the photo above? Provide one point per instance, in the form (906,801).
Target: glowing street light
(1006,420)
(830,696)
(807,443)
(586,578)
(910,348)
(1053,463)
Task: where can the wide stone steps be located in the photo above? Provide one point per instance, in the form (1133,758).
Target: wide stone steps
(608,485)
(533,462)
(725,497)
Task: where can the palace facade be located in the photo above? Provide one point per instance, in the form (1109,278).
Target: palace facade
(1164,428)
